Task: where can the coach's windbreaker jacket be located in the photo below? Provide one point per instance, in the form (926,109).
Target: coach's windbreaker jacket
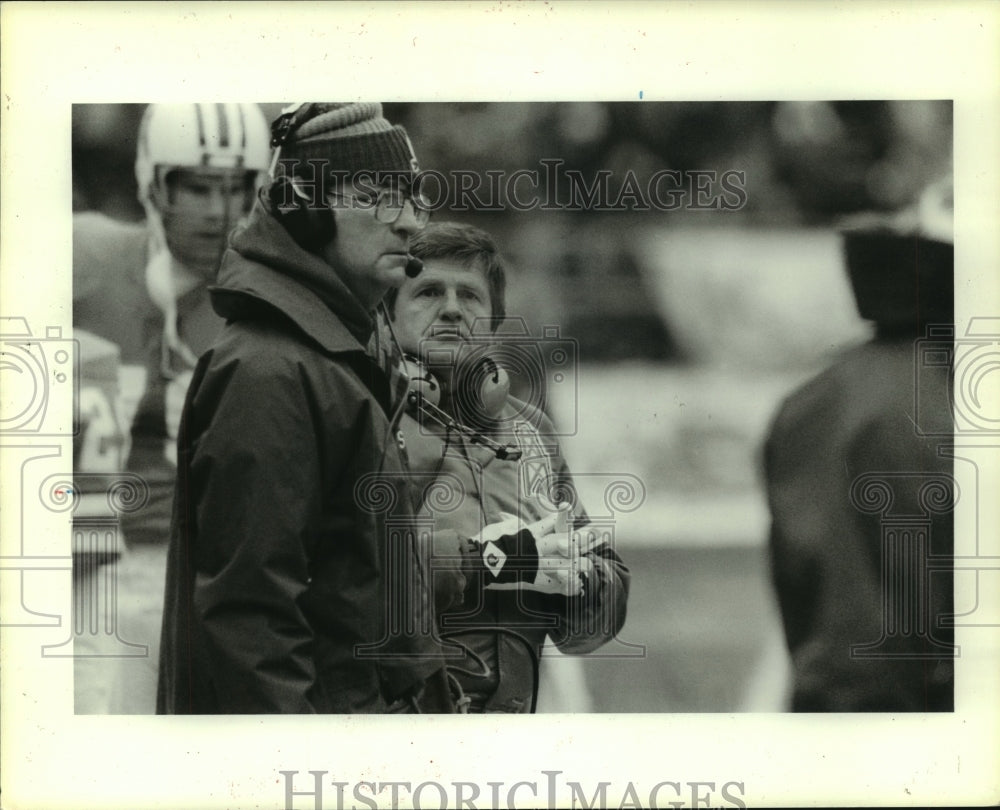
(286,555)
(482,489)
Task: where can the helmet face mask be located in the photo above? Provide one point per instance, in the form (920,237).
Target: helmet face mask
(198,167)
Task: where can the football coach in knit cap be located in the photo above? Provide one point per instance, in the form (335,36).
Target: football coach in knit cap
(280,581)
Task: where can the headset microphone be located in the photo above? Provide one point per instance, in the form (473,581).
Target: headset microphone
(413,266)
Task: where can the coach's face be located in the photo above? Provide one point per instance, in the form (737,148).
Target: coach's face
(438,309)
(370,248)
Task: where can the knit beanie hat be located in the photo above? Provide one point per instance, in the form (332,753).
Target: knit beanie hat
(348,138)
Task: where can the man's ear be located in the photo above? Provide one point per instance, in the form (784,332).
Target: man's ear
(159,193)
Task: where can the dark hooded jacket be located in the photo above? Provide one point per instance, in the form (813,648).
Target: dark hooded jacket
(287,556)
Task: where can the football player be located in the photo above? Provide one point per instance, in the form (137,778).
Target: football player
(144,287)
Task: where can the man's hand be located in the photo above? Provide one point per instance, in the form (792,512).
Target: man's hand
(543,556)
(561,575)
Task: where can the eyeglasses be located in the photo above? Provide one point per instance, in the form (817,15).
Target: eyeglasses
(389,204)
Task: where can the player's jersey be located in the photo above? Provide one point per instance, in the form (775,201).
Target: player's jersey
(110,300)
(109,290)
(99,446)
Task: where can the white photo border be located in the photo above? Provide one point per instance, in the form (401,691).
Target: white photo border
(57,54)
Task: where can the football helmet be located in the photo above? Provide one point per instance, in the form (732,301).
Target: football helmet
(226,148)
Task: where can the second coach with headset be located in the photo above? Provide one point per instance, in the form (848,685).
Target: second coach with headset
(513,567)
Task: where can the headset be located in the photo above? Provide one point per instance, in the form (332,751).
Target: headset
(309,225)
(484,383)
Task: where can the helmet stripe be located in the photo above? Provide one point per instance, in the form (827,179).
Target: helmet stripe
(220,111)
(243,127)
(201,126)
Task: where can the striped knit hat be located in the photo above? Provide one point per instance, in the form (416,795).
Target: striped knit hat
(350,138)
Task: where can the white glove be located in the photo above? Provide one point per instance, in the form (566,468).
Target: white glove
(544,556)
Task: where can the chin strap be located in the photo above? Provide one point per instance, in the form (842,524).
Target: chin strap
(160,287)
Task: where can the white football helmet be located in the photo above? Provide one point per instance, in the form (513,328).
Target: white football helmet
(225,143)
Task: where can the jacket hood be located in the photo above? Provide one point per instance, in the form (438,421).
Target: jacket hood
(264,268)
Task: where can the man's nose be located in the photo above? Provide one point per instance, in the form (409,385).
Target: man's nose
(450,310)
(218,203)
(407,222)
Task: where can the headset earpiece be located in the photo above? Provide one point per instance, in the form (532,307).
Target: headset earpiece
(422,382)
(312,228)
(481,388)
(494,388)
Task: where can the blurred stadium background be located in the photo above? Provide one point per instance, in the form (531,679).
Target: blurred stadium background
(689,325)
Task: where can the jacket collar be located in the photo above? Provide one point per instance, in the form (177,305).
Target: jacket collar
(264,268)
